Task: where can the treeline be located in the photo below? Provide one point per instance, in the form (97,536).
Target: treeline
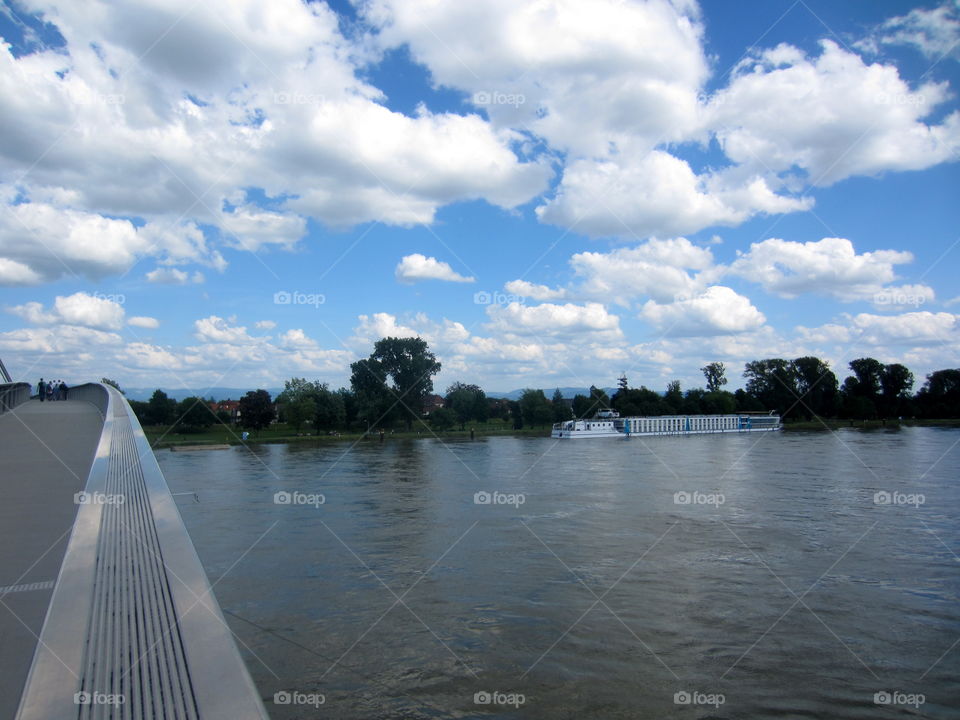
(391,388)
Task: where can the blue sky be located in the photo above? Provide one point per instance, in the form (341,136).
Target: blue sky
(551,193)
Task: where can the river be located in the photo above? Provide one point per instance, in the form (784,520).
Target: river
(794,574)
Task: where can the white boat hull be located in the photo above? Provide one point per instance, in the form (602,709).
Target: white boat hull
(664,425)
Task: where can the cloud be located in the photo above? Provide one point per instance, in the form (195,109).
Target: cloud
(173,276)
(265,325)
(661,269)
(252,228)
(717,311)
(656,193)
(77,309)
(416,267)
(830,266)
(143,322)
(214,329)
(935,32)
(550,319)
(832,116)
(530,290)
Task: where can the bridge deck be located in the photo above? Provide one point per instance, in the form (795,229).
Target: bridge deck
(46,449)
(130,628)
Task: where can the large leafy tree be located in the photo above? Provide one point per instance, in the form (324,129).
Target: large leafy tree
(535,407)
(581,405)
(716,375)
(896,382)
(816,386)
(256,410)
(940,395)
(397,376)
(561,410)
(193,415)
(773,383)
(160,410)
(468,402)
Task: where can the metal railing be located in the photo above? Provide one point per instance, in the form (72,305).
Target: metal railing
(13,394)
(133,629)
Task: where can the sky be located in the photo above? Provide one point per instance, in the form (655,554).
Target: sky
(550,192)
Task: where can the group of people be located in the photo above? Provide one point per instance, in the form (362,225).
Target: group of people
(53,390)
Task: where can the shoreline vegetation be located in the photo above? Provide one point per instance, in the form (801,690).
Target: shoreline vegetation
(391,394)
(161,439)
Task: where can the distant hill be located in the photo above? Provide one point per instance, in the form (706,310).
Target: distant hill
(568,392)
(217,393)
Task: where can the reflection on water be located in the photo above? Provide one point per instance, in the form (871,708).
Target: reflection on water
(605,578)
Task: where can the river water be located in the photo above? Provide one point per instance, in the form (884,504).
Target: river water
(734,576)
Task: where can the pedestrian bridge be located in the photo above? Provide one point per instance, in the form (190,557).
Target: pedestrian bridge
(107,612)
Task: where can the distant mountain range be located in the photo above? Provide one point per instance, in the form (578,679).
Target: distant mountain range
(567,392)
(228,393)
(217,393)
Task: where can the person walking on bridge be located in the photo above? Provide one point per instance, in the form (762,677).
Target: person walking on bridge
(41,389)
(63,390)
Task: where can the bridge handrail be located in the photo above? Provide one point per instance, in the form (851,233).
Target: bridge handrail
(13,394)
(207,675)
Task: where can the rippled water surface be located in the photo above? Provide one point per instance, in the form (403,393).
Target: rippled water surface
(783,589)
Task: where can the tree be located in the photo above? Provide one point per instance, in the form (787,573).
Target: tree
(443,418)
(535,407)
(329,408)
(561,410)
(598,399)
(194,415)
(674,397)
(112,383)
(639,401)
(517,414)
(467,402)
(715,373)
(581,405)
(896,381)
(374,402)
(861,392)
(940,395)
(817,387)
(297,412)
(409,365)
(256,410)
(773,383)
(349,401)
(161,410)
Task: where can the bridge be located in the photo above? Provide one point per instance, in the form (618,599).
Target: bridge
(107,612)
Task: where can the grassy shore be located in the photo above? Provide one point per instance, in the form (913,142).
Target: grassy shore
(161,437)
